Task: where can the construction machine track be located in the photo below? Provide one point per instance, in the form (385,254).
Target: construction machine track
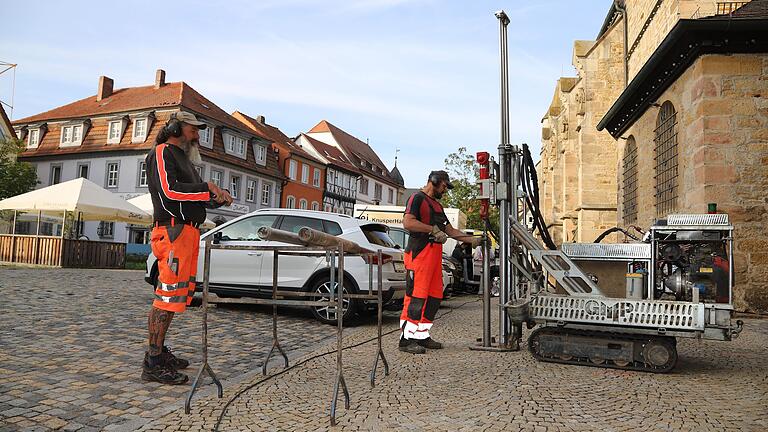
(606,349)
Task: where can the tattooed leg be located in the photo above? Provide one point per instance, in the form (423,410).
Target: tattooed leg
(159,320)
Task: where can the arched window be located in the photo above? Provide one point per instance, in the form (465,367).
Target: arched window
(630,182)
(315,204)
(665,155)
(303,204)
(290,202)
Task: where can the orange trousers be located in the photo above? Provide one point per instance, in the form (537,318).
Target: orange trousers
(176,248)
(423,291)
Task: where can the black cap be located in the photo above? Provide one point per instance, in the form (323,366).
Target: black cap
(438,176)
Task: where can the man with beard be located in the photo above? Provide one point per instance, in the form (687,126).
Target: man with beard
(429,228)
(179,199)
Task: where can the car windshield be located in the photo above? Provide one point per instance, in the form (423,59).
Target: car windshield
(377,235)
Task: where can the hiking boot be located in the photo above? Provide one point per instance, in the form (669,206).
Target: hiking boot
(167,358)
(163,374)
(173,361)
(430,343)
(411,346)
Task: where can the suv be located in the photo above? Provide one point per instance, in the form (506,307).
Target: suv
(248,273)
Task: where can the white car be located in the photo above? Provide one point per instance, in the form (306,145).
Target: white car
(235,273)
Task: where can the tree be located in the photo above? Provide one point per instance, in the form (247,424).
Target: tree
(464,171)
(15,177)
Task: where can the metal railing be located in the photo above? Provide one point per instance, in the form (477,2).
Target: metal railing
(728,7)
(335,254)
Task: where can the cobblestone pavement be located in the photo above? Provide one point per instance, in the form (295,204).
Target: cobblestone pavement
(717,386)
(72,342)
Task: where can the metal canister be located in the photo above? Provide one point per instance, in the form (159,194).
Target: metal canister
(635,285)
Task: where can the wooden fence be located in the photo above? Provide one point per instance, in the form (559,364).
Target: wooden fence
(49,251)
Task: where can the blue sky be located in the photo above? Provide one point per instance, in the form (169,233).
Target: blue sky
(418,75)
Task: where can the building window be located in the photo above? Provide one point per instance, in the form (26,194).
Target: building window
(114,131)
(265,191)
(303,204)
(71,135)
(290,202)
(205,137)
(630,182)
(250,190)
(315,205)
(55,175)
(292,169)
(106,229)
(363,188)
(261,154)
(234,186)
(316,178)
(665,155)
(142,174)
(82,170)
(199,170)
(391,198)
(305,173)
(113,173)
(216,177)
(139,130)
(33,140)
(377,191)
(236,145)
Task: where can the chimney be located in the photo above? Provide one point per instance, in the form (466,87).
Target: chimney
(159,78)
(106,84)
(260,119)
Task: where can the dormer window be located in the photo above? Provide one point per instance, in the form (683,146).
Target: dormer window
(33,138)
(261,154)
(115,129)
(206,136)
(141,123)
(235,145)
(72,133)
(139,130)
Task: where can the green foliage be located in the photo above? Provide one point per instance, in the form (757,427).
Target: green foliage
(15,177)
(464,171)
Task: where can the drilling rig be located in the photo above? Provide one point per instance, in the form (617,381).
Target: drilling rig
(618,305)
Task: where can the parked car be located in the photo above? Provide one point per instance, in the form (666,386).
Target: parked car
(248,273)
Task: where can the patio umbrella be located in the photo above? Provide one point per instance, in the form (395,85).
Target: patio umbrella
(144,202)
(82,196)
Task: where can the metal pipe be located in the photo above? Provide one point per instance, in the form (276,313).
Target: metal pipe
(486,290)
(622,9)
(504,179)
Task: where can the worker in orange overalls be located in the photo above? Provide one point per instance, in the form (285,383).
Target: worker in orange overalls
(429,228)
(179,199)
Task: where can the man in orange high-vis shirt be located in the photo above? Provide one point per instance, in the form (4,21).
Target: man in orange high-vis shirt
(179,199)
(429,228)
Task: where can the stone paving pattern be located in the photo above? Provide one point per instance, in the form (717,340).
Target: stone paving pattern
(72,342)
(717,386)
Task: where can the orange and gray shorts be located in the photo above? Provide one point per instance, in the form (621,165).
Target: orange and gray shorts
(176,248)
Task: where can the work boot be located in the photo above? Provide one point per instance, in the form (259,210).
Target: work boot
(173,361)
(411,346)
(163,374)
(430,343)
(167,358)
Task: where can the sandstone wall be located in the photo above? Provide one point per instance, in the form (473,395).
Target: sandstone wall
(645,41)
(722,113)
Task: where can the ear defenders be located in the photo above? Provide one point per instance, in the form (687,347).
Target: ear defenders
(173,127)
(435,180)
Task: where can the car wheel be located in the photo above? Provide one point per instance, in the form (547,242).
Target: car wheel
(327,313)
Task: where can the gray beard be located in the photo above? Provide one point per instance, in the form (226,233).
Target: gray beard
(192,151)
